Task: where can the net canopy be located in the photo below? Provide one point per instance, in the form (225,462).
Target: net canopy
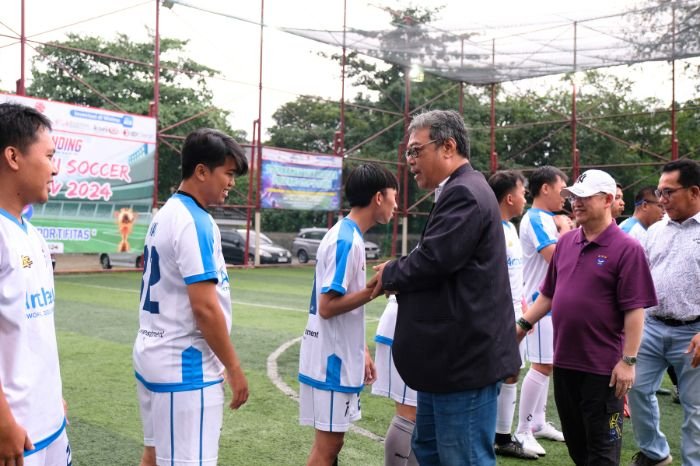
(494,54)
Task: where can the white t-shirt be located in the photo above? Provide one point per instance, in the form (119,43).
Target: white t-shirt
(29,372)
(636,230)
(183,246)
(332,355)
(514,254)
(537,231)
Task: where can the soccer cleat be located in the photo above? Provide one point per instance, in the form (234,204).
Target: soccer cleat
(640,459)
(675,396)
(514,449)
(529,443)
(549,432)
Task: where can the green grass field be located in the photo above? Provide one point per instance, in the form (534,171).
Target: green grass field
(97,320)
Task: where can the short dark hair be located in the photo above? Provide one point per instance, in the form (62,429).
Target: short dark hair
(689,171)
(504,181)
(364,181)
(19,125)
(210,147)
(545,175)
(444,124)
(644,194)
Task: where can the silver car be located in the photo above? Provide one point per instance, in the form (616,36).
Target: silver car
(306,244)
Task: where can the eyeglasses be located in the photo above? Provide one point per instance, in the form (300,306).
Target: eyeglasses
(414,151)
(572,198)
(666,192)
(645,201)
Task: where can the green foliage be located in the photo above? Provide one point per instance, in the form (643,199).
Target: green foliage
(60,69)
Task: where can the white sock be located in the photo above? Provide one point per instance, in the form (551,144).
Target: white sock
(530,392)
(506,408)
(538,418)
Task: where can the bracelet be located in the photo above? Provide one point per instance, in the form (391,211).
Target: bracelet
(524,324)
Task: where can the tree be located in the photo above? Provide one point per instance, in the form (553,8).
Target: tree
(129,84)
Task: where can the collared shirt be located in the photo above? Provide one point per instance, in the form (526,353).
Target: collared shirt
(673,250)
(439,188)
(592,284)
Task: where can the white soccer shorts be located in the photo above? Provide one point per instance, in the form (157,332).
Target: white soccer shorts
(389,383)
(57,453)
(539,345)
(327,410)
(184,427)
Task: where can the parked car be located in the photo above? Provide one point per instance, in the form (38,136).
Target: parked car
(233,243)
(124,259)
(307,240)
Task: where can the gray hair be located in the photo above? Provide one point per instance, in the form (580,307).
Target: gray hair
(443,124)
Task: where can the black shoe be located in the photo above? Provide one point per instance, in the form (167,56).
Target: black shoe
(515,450)
(663,391)
(640,459)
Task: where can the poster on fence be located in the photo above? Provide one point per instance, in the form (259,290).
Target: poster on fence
(100,201)
(300,181)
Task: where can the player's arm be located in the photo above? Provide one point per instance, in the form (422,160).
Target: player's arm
(332,303)
(13,438)
(212,323)
(539,309)
(370,368)
(547,252)
(622,376)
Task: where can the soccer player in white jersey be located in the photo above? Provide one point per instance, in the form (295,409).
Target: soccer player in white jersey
(538,237)
(334,361)
(397,441)
(509,188)
(183,351)
(647,211)
(32,417)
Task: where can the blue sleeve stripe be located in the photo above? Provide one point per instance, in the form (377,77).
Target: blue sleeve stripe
(628,224)
(342,252)
(41,444)
(383,340)
(543,239)
(205,234)
(544,245)
(334,287)
(202,277)
(174,387)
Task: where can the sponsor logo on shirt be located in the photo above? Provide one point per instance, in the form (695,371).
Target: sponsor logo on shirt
(514,262)
(39,303)
(601,260)
(311,333)
(152,333)
(27,262)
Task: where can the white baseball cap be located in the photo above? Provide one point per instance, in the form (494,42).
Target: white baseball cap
(590,183)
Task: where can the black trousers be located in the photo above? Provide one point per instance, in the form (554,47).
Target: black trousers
(591,417)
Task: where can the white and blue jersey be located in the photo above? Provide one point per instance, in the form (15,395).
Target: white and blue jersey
(537,231)
(332,355)
(29,373)
(635,229)
(514,255)
(183,246)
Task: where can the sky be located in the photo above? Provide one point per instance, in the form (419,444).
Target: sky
(292,66)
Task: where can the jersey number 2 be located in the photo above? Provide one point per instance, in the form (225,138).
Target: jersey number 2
(153,277)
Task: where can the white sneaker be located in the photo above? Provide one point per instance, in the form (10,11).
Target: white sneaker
(549,432)
(527,440)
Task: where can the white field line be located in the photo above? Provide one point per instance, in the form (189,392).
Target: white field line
(274,376)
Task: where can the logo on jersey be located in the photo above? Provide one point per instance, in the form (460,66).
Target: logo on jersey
(153,229)
(27,262)
(601,260)
(311,333)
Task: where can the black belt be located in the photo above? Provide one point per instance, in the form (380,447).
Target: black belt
(674,322)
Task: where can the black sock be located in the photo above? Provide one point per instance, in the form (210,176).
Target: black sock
(502,439)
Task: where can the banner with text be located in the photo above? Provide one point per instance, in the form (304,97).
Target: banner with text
(300,181)
(105,163)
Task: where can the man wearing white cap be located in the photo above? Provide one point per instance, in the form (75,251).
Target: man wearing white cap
(597,285)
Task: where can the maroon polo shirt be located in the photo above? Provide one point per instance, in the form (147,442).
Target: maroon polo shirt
(592,284)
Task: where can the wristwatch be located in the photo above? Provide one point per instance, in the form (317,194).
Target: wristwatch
(629,360)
